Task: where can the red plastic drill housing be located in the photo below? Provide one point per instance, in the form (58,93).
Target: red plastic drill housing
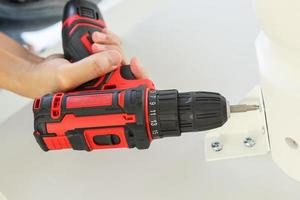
(108,112)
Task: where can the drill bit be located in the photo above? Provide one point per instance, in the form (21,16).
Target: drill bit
(243,108)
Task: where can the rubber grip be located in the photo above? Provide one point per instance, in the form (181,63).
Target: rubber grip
(126,73)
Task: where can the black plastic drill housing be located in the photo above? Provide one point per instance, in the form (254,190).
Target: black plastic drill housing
(171,112)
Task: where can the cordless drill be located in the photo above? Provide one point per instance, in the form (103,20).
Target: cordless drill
(116,110)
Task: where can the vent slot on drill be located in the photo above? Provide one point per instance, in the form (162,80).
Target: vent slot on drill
(37,104)
(87,12)
(109,87)
(56,105)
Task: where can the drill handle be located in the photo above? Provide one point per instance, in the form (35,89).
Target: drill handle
(80,20)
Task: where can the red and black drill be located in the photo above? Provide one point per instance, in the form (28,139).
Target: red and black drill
(116,110)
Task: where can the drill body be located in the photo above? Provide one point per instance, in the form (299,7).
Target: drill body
(116,110)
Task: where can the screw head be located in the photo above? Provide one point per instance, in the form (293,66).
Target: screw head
(216,146)
(249,142)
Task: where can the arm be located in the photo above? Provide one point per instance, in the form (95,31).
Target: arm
(36,78)
(15,48)
(12,69)
(29,75)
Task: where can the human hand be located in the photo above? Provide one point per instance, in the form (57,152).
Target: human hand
(56,74)
(36,77)
(107,40)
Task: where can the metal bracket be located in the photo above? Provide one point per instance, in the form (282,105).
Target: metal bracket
(244,134)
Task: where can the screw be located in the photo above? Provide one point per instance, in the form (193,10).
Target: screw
(249,142)
(216,146)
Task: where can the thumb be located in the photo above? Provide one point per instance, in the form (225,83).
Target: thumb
(138,69)
(89,68)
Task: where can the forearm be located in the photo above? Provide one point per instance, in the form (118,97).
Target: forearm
(13,70)
(15,48)
(32,76)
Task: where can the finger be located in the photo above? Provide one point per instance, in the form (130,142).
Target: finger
(105,38)
(113,36)
(100,47)
(94,66)
(96,48)
(53,56)
(137,69)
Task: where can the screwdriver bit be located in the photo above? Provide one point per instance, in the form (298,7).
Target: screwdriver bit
(243,108)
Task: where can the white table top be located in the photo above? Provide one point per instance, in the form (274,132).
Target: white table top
(198,45)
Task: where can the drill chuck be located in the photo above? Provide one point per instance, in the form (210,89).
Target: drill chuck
(171,112)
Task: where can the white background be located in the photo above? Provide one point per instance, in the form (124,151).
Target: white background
(188,45)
